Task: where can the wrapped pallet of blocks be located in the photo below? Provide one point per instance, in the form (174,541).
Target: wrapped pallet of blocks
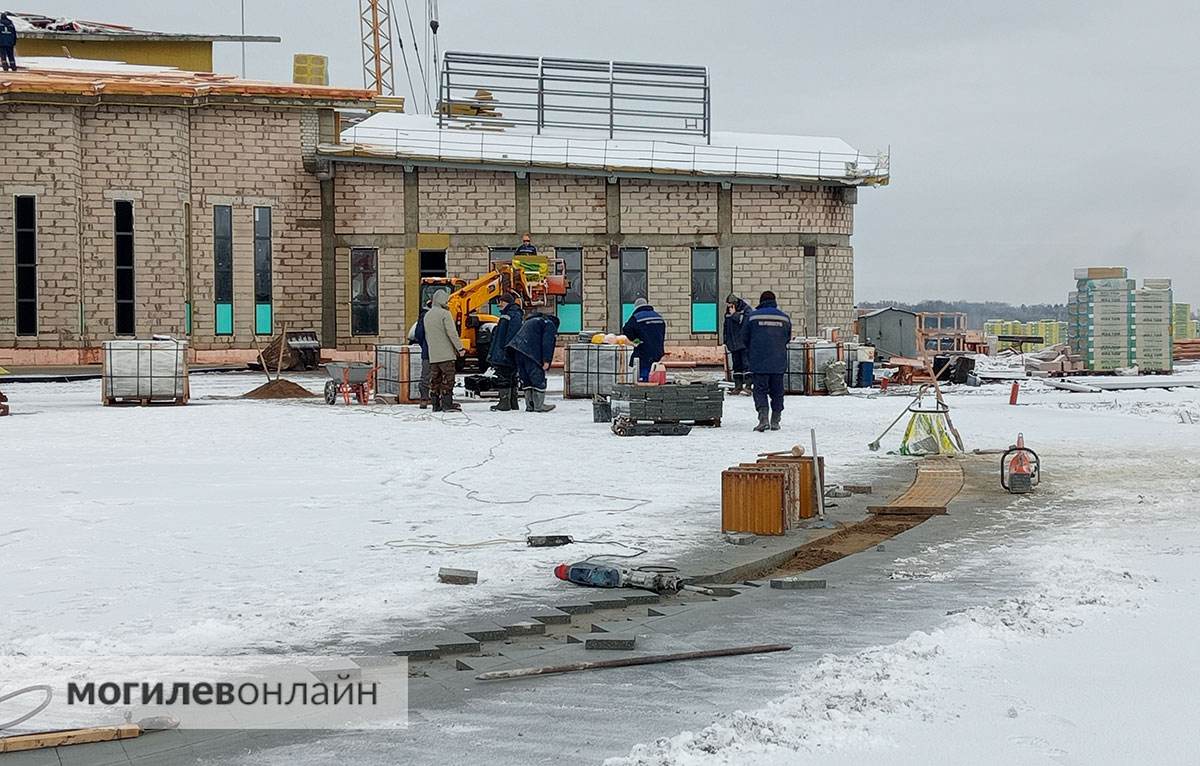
(699,403)
(399,375)
(144,372)
(593,369)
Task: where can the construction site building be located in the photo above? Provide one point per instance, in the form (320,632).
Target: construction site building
(207,207)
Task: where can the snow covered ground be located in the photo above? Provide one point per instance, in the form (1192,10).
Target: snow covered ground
(1091,662)
(230,525)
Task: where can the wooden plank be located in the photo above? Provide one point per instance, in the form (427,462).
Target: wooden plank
(68,737)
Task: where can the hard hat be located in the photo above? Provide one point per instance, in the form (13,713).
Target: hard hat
(598,338)
(561,570)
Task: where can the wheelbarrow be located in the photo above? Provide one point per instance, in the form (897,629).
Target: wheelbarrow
(349,378)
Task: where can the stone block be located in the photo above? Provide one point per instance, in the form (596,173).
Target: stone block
(797,583)
(458,576)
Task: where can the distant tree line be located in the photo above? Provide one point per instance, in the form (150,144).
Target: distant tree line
(978,313)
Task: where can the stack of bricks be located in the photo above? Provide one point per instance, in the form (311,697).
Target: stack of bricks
(697,402)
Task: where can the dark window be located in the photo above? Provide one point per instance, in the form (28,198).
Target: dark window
(634,280)
(223,268)
(262,271)
(570,306)
(704,290)
(364,291)
(433,263)
(123,243)
(25,215)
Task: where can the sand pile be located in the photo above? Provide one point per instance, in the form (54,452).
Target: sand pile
(279,389)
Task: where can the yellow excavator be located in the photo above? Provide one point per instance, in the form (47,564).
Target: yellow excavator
(539,281)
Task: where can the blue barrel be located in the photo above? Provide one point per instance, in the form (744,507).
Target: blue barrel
(866,374)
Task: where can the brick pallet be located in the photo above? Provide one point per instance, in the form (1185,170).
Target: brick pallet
(701,404)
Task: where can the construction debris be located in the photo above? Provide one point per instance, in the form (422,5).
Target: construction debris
(292,351)
(797,583)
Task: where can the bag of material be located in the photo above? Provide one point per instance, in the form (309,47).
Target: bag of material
(835,378)
(926,434)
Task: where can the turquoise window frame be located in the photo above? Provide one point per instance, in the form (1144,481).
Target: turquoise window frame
(263,272)
(705,290)
(570,306)
(222,270)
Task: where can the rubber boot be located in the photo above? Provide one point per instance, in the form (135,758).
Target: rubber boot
(529,400)
(436,401)
(775,418)
(449,405)
(539,402)
(514,400)
(505,403)
(763,423)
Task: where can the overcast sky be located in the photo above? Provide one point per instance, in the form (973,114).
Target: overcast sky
(1027,138)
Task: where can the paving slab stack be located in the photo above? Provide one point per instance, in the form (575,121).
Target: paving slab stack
(1112,324)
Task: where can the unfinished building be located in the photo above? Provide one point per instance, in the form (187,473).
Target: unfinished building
(159,201)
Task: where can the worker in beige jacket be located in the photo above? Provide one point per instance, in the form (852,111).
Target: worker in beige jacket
(445,348)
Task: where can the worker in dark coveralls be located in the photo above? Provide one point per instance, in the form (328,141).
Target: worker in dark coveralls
(534,350)
(503,358)
(526,247)
(736,311)
(766,333)
(649,330)
(8,42)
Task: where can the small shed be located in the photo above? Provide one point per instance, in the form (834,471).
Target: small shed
(892,330)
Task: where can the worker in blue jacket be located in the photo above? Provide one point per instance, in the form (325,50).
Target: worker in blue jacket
(534,350)
(8,42)
(648,330)
(766,333)
(501,357)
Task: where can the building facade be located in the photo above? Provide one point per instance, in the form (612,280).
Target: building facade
(225,216)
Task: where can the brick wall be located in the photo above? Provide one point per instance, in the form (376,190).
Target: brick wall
(467,201)
(595,288)
(39,155)
(784,209)
(665,207)
(835,288)
(567,204)
(780,270)
(247,157)
(369,199)
(139,154)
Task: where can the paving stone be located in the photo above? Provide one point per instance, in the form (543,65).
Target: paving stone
(641,597)
(481,664)
(740,538)
(624,641)
(609,602)
(576,607)
(485,632)
(456,644)
(796,583)
(524,628)
(612,627)
(666,611)
(751,583)
(552,617)
(332,669)
(418,651)
(458,576)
